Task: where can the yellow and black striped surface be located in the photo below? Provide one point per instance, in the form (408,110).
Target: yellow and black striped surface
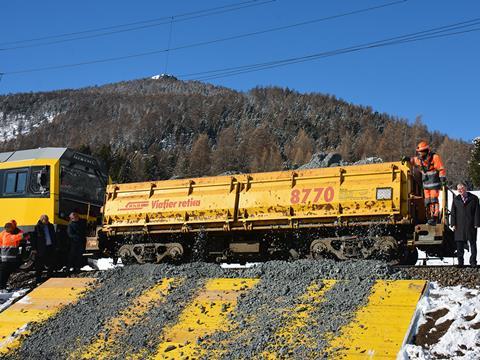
(376,331)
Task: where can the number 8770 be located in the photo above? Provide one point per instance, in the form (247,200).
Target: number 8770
(316,195)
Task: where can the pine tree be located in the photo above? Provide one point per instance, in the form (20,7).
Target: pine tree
(125,173)
(200,157)
(474,163)
(224,158)
(455,157)
(263,151)
(150,167)
(301,149)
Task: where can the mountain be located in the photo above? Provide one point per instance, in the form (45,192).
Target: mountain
(161,127)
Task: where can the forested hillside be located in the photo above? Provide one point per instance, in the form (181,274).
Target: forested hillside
(157,129)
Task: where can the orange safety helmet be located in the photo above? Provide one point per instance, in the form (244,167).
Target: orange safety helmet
(423,146)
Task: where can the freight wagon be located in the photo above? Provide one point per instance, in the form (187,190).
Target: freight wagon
(373,211)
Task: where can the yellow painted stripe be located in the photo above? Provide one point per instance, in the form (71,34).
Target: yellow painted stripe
(297,320)
(379,328)
(38,306)
(101,347)
(206,314)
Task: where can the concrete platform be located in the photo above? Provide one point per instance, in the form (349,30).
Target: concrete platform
(37,306)
(377,331)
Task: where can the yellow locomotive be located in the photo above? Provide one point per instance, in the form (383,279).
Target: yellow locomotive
(366,211)
(51,181)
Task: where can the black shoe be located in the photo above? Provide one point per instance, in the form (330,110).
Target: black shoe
(460,266)
(473,265)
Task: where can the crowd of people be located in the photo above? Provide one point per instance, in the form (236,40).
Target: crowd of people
(44,248)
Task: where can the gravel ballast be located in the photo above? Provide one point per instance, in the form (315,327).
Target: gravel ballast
(259,314)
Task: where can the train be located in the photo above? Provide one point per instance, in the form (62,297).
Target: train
(54,181)
(372,211)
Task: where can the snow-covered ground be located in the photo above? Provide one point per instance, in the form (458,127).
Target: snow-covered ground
(451,261)
(101,264)
(448,326)
(13,125)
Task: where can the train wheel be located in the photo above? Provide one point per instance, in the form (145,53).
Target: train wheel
(125,254)
(319,250)
(386,249)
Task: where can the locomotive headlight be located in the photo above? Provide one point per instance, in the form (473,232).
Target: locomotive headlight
(384,193)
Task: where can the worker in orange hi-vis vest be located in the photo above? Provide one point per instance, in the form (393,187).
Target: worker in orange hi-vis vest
(433,178)
(9,244)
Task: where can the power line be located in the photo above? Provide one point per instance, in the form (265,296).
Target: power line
(203,43)
(145,24)
(433,33)
(260,67)
(169,44)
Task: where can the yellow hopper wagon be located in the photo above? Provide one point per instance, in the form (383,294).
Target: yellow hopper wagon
(373,211)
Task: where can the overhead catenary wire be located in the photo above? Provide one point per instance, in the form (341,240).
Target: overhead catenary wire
(454,26)
(433,33)
(169,45)
(204,43)
(145,24)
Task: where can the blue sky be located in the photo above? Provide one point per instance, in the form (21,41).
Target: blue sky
(438,79)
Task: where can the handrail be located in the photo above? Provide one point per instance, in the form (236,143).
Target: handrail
(445,210)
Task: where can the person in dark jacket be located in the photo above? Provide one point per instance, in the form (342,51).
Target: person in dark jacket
(465,219)
(77,240)
(43,246)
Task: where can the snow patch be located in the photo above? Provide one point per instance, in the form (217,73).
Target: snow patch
(101,264)
(238,266)
(7,299)
(462,338)
(13,125)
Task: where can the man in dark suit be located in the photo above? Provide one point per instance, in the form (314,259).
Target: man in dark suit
(44,245)
(465,219)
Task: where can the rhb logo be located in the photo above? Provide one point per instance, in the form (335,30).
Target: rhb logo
(135,205)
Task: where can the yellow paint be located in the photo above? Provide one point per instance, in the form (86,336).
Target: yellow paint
(27,211)
(206,314)
(294,332)
(109,336)
(262,199)
(38,306)
(379,328)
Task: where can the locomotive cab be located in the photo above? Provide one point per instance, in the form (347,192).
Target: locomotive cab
(54,182)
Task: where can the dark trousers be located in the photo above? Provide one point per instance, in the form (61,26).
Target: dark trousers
(6,269)
(44,259)
(75,255)
(473,251)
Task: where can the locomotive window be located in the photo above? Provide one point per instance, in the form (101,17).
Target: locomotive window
(81,183)
(10,183)
(40,180)
(15,182)
(21,182)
